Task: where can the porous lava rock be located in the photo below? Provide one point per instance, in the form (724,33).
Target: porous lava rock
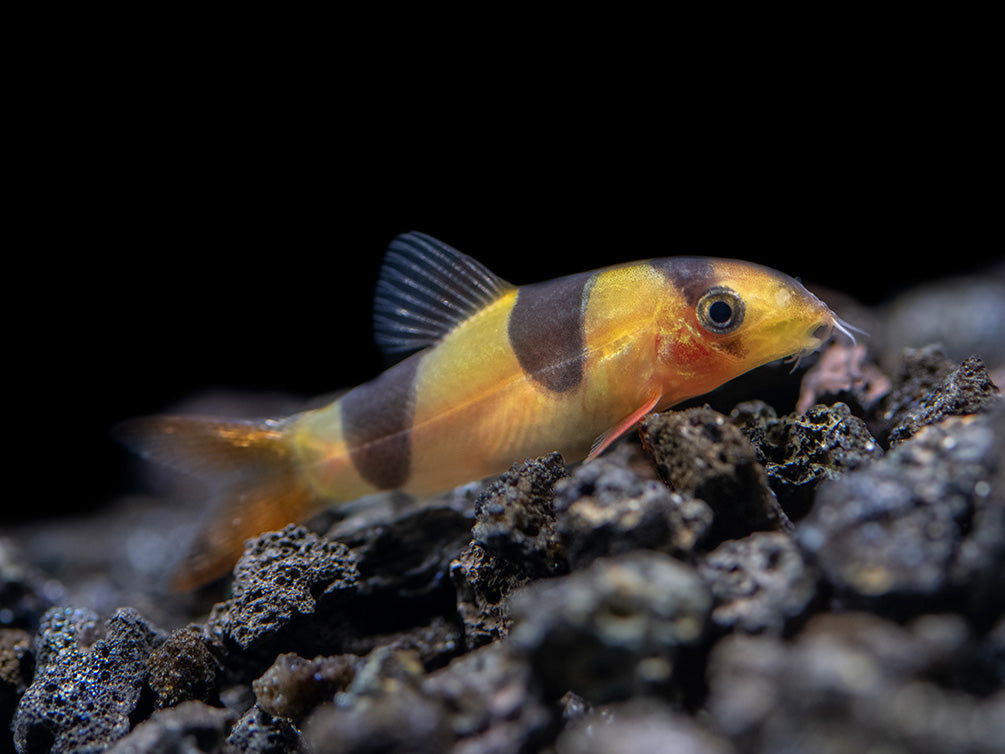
(614,629)
(190,727)
(514,541)
(89,684)
(850,683)
(921,529)
(759,584)
(968,389)
(699,452)
(281,578)
(798,451)
(183,668)
(605,508)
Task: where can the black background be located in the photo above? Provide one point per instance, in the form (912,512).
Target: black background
(187,221)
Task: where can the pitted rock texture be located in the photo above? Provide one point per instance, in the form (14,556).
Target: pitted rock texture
(183,668)
(921,529)
(576,608)
(89,682)
(698,452)
(606,508)
(282,577)
(613,629)
(516,515)
(799,451)
(966,390)
(514,541)
(760,584)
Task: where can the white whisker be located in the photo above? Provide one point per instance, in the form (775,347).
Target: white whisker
(846,329)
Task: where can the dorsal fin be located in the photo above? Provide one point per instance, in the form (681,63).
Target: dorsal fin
(424,290)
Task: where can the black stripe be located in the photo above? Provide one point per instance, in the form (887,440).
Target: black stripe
(692,276)
(376,419)
(546,331)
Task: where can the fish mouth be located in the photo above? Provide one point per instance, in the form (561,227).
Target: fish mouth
(823,331)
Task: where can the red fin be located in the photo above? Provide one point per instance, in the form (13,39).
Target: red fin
(250,471)
(603,442)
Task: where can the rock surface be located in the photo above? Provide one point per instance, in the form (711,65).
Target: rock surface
(739,580)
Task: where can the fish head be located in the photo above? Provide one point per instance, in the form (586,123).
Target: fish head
(726,317)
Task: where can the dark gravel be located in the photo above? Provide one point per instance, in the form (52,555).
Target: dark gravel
(739,578)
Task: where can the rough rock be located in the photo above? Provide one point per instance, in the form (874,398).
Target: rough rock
(918,371)
(614,629)
(400,722)
(799,451)
(844,374)
(639,726)
(484,584)
(258,732)
(404,565)
(516,515)
(294,686)
(382,710)
(281,578)
(184,668)
(513,542)
(698,452)
(16,668)
(760,584)
(606,508)
(491,702)
(966,390)
(850,683)
(410,555)
(190,727)
(920,529)
(87,688)
(582,609)
(435,643)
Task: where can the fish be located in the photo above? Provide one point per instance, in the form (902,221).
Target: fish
(486,373)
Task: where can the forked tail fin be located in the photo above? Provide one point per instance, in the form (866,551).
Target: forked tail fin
(250,471)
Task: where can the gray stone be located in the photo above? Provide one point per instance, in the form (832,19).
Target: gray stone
(760,583)
(614,629)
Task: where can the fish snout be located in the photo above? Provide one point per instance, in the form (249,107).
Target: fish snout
(823,330)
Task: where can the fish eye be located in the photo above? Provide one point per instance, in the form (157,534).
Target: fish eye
(720,310)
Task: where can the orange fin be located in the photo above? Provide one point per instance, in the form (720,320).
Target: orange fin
(239,518)
(251,474)
(603,442)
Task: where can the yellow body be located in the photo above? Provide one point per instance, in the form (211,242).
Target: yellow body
(477,410)
(626,340)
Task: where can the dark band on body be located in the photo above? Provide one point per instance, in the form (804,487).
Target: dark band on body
(376,424)
(546,331)
(692,276)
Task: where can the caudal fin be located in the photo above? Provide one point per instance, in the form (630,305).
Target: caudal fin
(251,474)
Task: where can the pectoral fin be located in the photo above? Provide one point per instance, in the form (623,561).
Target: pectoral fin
(601,443)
